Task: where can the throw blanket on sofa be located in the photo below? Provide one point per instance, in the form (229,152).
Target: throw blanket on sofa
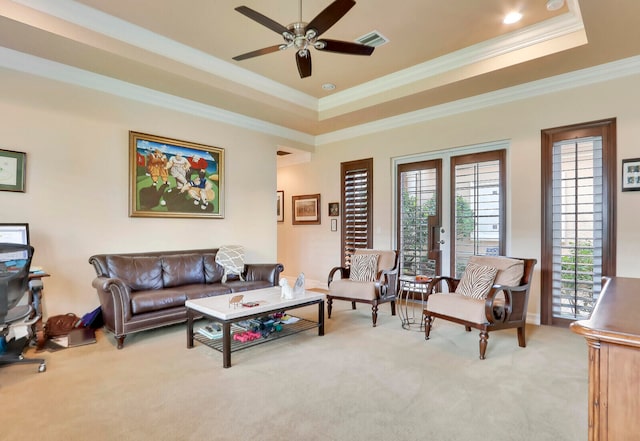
(231,258)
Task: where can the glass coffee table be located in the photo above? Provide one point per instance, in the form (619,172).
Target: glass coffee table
(228,311)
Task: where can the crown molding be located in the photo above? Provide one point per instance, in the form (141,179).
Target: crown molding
(548,30)
(571,80)
(21,62)
(121,30)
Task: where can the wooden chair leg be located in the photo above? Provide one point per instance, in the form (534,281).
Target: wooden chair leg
(329,306)
(353,305)
(120,341)
(467,328)
(393,308)
(484,336)
(374,314)
(521,341)
(428,320)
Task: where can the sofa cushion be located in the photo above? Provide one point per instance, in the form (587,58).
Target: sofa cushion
(231,258)
(476,280)
(213,271)
(138,272)
(386,261)
(364,267)
(461,307)
(241,286)
(201,290)
(156,299)
(182,269)
(353,290)
(510,271)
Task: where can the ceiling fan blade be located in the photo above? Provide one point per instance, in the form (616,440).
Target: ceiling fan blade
(263,51)
(304,64)
(345,47)
(330,15)
(263,20)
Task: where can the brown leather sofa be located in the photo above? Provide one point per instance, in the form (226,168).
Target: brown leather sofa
(141,291)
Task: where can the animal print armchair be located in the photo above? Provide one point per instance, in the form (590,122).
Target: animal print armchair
(371,278)
(492,294)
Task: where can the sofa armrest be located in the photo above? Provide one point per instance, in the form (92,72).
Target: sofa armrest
(269,272)
(115,301)
(344,274)
(515,301)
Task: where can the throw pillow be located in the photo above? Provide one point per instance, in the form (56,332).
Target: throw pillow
(476,281)
(364,267)
(231,258)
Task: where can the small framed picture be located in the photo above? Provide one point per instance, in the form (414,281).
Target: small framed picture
(631,174)
(334,209)
(280,209)
(12,170)
(334,224)
(306,209)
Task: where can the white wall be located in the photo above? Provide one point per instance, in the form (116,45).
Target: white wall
(76,199)
(314,250)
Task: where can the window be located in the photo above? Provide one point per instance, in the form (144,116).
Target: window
(578,213)
(477,207)
(357,203)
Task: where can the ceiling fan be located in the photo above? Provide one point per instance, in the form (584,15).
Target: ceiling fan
(302,36)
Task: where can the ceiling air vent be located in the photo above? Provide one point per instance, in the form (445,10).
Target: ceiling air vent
(373,39)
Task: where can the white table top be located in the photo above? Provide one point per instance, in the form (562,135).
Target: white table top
(268,299)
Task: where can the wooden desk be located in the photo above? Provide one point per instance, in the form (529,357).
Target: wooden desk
(613,336)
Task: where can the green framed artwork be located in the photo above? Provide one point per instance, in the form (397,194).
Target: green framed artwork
(173,178)
(12,170)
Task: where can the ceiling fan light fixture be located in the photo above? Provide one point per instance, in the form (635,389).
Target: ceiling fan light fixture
(303,36)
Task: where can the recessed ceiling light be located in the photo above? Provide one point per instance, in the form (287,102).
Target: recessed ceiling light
(512,17)
(328,86)
(554,5)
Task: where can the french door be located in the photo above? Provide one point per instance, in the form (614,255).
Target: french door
(450,208)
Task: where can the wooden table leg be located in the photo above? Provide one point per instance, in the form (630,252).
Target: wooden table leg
(321,317)
(189,328)
(226,344)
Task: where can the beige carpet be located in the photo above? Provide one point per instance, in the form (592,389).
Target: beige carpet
(355,383)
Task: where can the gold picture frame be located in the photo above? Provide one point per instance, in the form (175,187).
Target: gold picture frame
(173,178)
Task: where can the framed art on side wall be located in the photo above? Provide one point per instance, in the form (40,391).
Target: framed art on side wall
(172,178)
(280,205)
(13,166)
(631,174)
(306,209)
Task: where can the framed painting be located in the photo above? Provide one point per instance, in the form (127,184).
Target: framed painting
(12,170)
(306,209)
(631,174)
(172,178)
(334,209)
(280,205)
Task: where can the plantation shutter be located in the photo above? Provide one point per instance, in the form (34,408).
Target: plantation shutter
(577,226)
(357,198)
(477,207)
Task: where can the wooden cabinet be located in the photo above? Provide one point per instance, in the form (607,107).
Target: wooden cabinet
(613,336)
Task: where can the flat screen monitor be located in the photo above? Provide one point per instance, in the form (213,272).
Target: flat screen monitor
(14,233)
